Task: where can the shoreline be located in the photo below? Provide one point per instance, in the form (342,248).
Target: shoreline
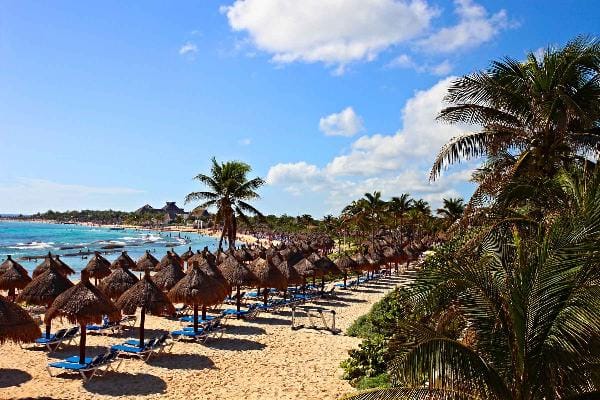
(245,238)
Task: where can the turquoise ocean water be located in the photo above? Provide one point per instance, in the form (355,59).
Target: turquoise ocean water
(23,239)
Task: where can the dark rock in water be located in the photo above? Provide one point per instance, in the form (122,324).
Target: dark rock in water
(78,246)
(112,246)
(171,244)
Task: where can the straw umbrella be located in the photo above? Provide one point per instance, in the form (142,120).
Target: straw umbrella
(168,258)
(197,287)
(176,256)
(98,267)
(168,276)
(16,324)
(237,274)
(83,304)
(290,273)
(117,283)
(149,298)
(268,275)
(123,260)
(188,254)
(326,266)
(13,276)
(147,262)
(48,261)
(44,289)
(305,268)
(213,271)
(64,265)
(346,264)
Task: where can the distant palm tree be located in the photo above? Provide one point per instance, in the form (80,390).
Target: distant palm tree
(229,191)
(537,116)
(399,206)
(452,210)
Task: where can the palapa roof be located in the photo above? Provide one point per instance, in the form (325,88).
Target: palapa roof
(48,260)
(236,273)
(188,254)
(345,263)
(98,267)
(168,276)
(65,267)
(147,262)
(327,266)
(197,287)
(361,260)
(169,258)
(84,304)
(13,275)
(117,283)
(16,324)
(268,274)
(145,294)
(305,267)
(44,288)
(147,208)
(214,272)
(124,260)
(291,274)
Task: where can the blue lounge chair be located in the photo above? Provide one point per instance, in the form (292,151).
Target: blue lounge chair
(160,343)
(126,321)
(143,352)
(89,368)
(190,319)
(55,340)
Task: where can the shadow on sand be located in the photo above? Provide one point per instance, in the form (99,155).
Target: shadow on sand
(235,344)
(13,377)
(126,384)
(195,362)
(245,330)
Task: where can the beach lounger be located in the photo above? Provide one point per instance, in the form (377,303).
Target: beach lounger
(62,336)
(143,352)
(190,319)
(187,333)
(160,343)
(89,369)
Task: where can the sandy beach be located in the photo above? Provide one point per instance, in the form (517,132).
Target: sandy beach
(259,359)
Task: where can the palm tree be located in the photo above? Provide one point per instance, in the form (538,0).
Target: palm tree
(452,210)
(536,116)
(229,191)
(518,317)
(399,206)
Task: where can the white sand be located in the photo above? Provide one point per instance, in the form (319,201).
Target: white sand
(259,359)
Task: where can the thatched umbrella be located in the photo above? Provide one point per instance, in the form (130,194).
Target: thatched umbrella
(326,266)
(44,289)
(168,258)
(168,276)
(123,260)
(305,268)
(346,264)
(213,271)
(83,304)
(117,283)
(149,298)
(237,274)
(64,265)
(188,254)
(197,287)
(98,267)
(147,262)
(292,276)
(269,276)
(13,276)
(48,260)
(16,324)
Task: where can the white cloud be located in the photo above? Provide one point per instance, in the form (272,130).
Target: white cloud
(406,61)
(475,26)
(333,32)
(393,163)
(245,142)
(188,48)
(344,123)
(27,195)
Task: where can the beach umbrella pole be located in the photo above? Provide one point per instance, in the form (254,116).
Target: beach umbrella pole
(203,312)
(82,344)
(196,317)
(265,296)
(345,279)
(142,321)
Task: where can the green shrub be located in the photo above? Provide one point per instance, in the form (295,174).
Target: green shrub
(369,360)
(370,382)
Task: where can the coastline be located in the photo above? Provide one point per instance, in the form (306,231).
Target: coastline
(209,232)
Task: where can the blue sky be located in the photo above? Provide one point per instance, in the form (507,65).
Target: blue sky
(116,104)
